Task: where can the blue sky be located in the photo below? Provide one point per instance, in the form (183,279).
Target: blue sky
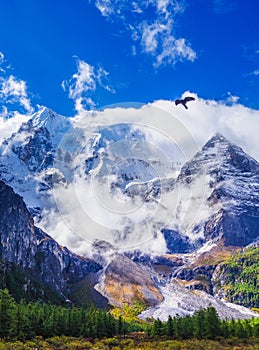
(84,54)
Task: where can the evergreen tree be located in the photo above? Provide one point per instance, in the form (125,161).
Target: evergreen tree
(24,325)
(179,330)
(75,324)
(187,327)
(7,315)
(170,327)
(110,325)
(224,329)
(99,325)
(232,328)
(157,328)
(120,326)
(199,324)
(240,330)
(212,323)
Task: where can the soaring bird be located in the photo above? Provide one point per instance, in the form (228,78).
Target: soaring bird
(184,101)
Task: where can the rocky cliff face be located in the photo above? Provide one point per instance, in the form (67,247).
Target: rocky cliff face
(28,247)
(17,231)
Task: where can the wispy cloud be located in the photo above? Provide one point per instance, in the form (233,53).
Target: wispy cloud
(253,73)
(2,59)
(13,97)
(13,91)
(151,24)
(83,83)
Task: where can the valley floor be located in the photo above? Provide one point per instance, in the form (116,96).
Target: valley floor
(130,343)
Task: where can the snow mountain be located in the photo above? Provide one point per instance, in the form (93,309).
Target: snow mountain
(215,196)
(218,198)
(126,186)
(27,157)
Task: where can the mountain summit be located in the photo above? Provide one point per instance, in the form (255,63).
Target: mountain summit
(222,183)
(220,158)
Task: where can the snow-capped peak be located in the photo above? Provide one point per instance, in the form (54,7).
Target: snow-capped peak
(219,155)
(216,138)
(53,122)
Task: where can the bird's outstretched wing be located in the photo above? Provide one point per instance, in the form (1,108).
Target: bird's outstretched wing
(188,98)
(184,101)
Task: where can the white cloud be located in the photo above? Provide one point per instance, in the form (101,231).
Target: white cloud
(150,36)
(205,117)
(255,72)
(104,6)
(13,90)
(101,76)
(174,50)
(231,99)
(10,125)
(2,59)
(13,93)
(151,24)
(83,83)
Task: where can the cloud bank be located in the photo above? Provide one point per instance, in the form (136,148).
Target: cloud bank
(206,117)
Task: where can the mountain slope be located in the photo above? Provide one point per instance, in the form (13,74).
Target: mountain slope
(237,278)
(42,260)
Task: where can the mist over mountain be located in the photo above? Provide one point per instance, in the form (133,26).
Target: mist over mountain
(127,188)
(159,213)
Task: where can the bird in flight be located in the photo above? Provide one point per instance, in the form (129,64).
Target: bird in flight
(184,101)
